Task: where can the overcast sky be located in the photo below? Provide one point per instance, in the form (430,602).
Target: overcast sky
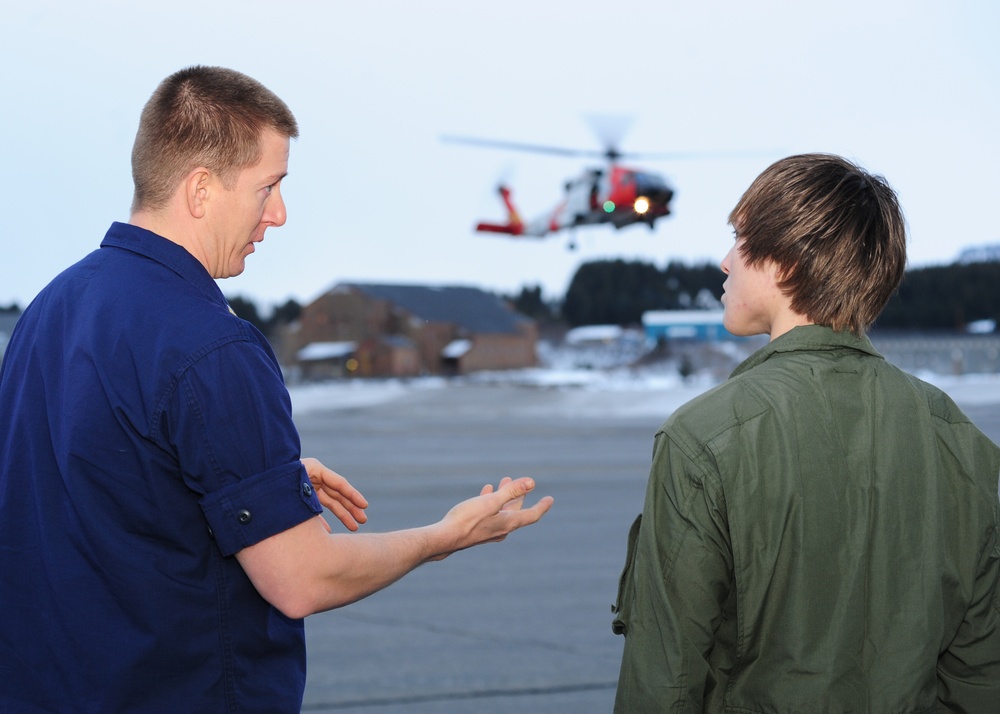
(908,88)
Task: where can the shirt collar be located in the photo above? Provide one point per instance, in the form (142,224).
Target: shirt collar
(166,252)
(807,338)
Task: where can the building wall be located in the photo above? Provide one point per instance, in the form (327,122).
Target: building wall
(699,325)
(340,316)
(322,369)
(500,351)
(378,358)
(345,314)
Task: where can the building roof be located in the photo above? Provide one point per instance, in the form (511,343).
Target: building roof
(682,317)
(593,333)
(456,349)
(317,351)
(471,308)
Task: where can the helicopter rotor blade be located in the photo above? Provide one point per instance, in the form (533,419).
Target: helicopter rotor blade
(700,155)
(611,152)
(518,146)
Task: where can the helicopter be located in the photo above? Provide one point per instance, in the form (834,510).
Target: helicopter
(612,194)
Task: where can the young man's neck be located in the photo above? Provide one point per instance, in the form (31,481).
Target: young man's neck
(787,320)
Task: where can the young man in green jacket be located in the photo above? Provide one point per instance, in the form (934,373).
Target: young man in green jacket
(820,531)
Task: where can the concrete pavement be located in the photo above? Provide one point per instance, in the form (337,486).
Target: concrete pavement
(522,625)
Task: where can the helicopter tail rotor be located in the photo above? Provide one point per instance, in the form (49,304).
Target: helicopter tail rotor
(514,225)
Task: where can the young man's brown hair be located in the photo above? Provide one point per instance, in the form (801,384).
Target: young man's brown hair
(835,232)
(202,116)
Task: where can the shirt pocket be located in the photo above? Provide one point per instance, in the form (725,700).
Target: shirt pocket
(622,608)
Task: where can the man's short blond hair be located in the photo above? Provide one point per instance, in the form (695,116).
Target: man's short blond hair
(202,116)
(835,232)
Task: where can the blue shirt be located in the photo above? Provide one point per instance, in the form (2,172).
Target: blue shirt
(145,437)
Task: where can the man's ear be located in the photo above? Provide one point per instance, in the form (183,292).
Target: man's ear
(197,190)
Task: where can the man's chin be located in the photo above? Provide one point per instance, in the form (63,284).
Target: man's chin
(734,328)
(234,270)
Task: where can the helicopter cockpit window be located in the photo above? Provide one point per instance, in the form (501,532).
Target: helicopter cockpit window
(649,183)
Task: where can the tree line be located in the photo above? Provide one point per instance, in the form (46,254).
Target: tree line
(618,292)
(944,298)
(938,298)
(283,314)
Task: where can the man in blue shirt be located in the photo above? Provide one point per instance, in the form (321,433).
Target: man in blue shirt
(160,535)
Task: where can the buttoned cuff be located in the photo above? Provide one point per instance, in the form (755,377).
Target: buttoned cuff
(259,507)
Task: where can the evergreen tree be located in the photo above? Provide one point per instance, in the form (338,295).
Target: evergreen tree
(618,292)
(944,297)
(530,303)
(283,315)
(247,309)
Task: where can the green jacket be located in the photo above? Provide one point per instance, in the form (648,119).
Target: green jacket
(819,535)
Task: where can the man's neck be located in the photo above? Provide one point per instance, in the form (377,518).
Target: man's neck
(787,320)
(162,224)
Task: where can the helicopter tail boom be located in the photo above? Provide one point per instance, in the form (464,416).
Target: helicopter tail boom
(515,226)
(508,229)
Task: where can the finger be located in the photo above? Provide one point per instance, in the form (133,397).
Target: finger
(327,497)
(515,519)
(486,490)
(527,516)
(350,517)
(513,492)
(542,507)
(330,481)
(336,485)
(325,524)
(514,504)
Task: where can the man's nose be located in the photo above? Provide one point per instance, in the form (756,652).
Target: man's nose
(276,214)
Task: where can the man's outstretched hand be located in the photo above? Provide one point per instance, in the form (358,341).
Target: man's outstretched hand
(492,515)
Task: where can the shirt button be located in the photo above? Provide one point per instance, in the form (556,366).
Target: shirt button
(307,489)
(244,516)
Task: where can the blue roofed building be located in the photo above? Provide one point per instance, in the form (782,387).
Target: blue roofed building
(692,325)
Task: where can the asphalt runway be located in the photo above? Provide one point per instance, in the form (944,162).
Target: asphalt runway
(523,625)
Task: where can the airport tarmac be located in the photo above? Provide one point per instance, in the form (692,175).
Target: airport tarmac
(523,625)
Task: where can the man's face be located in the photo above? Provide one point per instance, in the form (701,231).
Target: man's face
(751,296)
(240,216)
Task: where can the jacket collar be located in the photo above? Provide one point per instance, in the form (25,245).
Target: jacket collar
(807,338)
(163,251)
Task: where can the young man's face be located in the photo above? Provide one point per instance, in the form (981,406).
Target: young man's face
(753,303)
(241,215)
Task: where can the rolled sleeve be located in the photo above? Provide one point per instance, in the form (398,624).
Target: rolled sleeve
(259,507)
(230,425)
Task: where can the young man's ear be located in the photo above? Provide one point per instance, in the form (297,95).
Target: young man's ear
(197,189)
